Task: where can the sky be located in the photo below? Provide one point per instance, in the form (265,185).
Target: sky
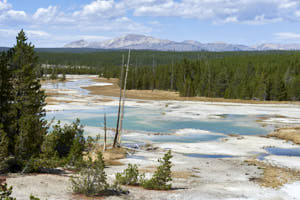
(55,23)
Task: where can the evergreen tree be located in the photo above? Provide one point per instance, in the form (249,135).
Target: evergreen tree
(6,135)
(29,127)
(162,176)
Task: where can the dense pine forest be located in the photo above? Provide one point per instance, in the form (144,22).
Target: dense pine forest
(234,75)
(267,75)
(258,76)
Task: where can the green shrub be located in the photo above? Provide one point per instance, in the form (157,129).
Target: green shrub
(162,176)
(92,178)
(33,197)
(5,192)
(91,143)
(53,75)
(130,176)
(66,143)
(37,164)
(8,164)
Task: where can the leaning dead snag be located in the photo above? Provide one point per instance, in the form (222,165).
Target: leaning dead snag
(120,100)
(124,98)
(104,145)
(117,136)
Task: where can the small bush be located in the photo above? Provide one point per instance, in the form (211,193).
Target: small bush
(91,143)
(33,197)
(130,176)
(64,143)
(9,164)
(92,178)
(162,176)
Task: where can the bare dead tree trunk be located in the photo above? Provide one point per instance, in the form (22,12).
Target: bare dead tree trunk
(120,99)
(153,74)
(124,98)
(104,145)
(172,75)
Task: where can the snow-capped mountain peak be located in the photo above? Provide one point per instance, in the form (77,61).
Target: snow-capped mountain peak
(135,41)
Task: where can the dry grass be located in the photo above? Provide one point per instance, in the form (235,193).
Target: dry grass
(182,174)
(273,176)
(288,134)
(53,101)
(114,154)
(175,174)
(45,81)
(113,90)
(110,156)
(53,94)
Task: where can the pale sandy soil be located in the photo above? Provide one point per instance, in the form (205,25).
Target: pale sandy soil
(241,177)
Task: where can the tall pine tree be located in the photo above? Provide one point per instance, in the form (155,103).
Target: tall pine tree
(29,127)
(6,138)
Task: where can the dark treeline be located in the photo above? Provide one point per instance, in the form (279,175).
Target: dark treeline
(256,76)
(68,70)
(113,58)
(268,75)
(108,58)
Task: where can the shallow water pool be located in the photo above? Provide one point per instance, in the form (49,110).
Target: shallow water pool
(139,119)
(160,126)
(283,152)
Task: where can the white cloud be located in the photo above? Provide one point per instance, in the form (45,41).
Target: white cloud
(92,37)
(287,36)
(243,11)
(8,32)
(231,20)
(38,33)
(8,15)
(33,34)
(15,14)
(100,9)
(97,7)
(115,16)
(4,5)
(113,13)
(45,14)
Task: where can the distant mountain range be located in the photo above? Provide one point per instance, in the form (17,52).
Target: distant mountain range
(133,41)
